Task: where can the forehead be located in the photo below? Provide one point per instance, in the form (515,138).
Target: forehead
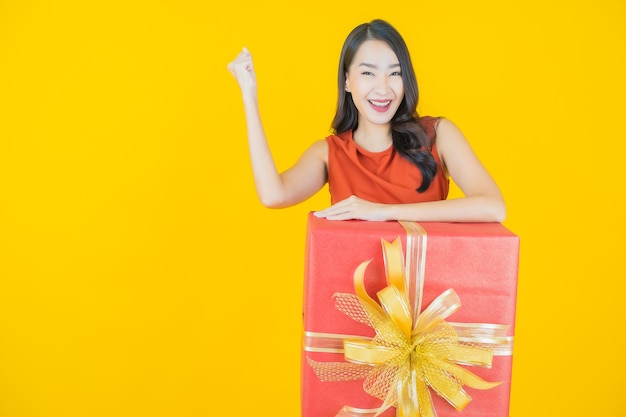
(375,52)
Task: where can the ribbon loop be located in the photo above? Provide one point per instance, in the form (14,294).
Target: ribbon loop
(441,308)
(394,264)
(396,308)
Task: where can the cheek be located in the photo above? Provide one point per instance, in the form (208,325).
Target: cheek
(357,84)
(397,86)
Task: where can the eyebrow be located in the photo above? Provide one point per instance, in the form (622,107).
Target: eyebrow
(365,64)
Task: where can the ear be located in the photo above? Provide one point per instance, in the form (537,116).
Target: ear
(347,84)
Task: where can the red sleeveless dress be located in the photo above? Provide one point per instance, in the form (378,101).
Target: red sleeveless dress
(382,177)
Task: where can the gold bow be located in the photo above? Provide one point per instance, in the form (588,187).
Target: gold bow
(410,354)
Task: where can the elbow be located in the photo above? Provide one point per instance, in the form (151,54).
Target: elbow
(489,209)
(499,217)
(272,202)
(497,212)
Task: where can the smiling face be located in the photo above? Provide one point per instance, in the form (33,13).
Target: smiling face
(374,79)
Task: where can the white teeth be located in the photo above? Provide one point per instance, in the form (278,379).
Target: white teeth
(380,103)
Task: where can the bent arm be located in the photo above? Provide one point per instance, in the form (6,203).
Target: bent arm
(274,189)
(279,190)
(482,201)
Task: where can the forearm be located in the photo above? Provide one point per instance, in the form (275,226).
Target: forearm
(465,209)
(274,189)
(481,208)
(268,183)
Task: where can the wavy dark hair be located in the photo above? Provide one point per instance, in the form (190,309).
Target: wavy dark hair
(409,137)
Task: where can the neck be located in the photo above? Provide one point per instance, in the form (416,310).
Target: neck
(373,138)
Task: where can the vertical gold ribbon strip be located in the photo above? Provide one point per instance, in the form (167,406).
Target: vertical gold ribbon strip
(415,264)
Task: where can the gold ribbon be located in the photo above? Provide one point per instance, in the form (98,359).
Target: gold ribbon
(411,352)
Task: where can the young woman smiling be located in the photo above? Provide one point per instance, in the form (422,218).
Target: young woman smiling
(384,161)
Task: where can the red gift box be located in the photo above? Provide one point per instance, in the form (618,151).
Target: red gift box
(479,261)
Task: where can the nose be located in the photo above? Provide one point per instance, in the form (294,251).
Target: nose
(382,85)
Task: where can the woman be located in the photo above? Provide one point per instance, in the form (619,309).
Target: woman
(384,162)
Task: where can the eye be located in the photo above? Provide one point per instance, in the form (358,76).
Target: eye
(397,73)
(367,73)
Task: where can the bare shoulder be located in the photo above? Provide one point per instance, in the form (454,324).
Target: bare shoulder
(319,146)
(452,146)
(318,150)
(446,129)
(450,139)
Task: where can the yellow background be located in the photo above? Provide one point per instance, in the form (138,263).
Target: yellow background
(139,276)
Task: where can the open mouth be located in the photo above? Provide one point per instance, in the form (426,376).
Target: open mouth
(380,105)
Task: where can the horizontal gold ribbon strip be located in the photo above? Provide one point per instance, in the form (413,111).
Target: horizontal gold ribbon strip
(327,342)
(358,412)
(333,343)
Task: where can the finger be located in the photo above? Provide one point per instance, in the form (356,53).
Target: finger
(323,213)
(342,216)
(238,69)
(340,205)
(336,213)
(341,208)
(330,211)
(243,56)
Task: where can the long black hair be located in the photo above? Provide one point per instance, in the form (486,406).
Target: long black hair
(409,137)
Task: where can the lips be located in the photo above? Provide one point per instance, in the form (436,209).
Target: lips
(380,105)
